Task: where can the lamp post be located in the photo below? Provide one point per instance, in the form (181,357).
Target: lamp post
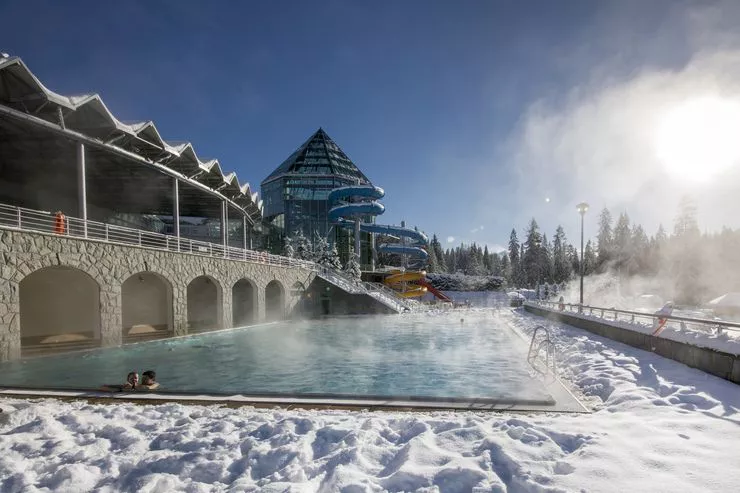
(582,208)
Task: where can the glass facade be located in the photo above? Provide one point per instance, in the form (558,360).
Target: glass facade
(295,194)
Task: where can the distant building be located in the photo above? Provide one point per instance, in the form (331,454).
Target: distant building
(295,194)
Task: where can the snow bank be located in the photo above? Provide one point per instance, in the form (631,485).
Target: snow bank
(657,426)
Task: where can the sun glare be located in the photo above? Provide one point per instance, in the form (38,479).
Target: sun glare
(700,138)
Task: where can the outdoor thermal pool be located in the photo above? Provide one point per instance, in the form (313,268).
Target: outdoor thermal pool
(418,355)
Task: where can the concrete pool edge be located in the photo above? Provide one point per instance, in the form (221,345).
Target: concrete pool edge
(297,401)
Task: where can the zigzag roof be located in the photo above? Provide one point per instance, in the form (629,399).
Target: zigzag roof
(87,114)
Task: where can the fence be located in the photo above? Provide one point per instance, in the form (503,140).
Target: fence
(696,324)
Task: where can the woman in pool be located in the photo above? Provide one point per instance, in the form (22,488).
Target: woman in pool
(132,381)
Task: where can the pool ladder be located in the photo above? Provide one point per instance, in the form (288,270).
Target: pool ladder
(541,342)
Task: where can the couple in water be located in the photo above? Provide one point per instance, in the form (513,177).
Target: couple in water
(148,382)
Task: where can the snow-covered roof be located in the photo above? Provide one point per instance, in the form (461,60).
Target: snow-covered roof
(88,115)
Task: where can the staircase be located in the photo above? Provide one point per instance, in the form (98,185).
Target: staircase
(377,291)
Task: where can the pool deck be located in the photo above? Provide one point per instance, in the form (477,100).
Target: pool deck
(563,401)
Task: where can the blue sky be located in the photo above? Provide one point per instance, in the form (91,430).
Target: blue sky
(470,114)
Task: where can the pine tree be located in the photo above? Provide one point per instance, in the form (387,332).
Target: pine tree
(589,259)
(561,265)
(441,259)
(514,259)
(546,266)
(686,262)
(622,243)
(640,261)
(605,240)
(352,268)
(326,254)
(288,250)
(532,257)
(496,265)
(303,248)
(505,269)
(432,263)
(487,267)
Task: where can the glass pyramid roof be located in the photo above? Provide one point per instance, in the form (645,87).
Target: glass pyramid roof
(319,155)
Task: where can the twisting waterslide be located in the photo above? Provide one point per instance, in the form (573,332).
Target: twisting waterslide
(349,205)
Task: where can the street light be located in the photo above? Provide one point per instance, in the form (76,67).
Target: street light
(582,208)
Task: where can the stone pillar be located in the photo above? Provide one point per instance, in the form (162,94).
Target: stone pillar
(10,317)
(179,308)
(227,314)
(111,314)
(259,310)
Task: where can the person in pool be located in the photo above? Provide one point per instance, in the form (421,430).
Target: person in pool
(132,381)
(148,381)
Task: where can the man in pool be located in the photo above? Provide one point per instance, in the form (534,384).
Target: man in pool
(148,381)
(132,380)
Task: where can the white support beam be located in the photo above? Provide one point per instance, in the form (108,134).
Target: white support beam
(244,231)
(82,186)
(224,226)
(176,210)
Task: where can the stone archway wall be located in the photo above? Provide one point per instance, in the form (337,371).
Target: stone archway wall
(22,253)
(243,302)
(146,300)
(59,302)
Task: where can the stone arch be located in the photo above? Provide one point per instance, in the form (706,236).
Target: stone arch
(274,300)
(243,302)
(147,308)
(59,305)
(205,304)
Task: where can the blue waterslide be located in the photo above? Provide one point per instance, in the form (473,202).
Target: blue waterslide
(344,215)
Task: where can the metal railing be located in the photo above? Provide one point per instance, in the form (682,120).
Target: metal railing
(540,345)
(19,218)
(12,217)
(613,314)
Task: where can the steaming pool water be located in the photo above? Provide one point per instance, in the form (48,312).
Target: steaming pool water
(419,355)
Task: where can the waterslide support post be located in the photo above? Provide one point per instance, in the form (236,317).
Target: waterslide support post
(357,239)
(374,254)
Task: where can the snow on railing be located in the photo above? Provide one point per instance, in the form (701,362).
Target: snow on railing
(633,317)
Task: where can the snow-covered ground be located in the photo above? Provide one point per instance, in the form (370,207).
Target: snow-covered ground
(656,426)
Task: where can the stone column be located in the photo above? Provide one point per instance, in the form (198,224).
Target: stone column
(111,314)
(10,317)
(227,314)
(179,308)
(259,309)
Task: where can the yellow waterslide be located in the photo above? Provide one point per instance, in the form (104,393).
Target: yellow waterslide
(404,283)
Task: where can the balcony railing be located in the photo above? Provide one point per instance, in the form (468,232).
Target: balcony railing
(12,217)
